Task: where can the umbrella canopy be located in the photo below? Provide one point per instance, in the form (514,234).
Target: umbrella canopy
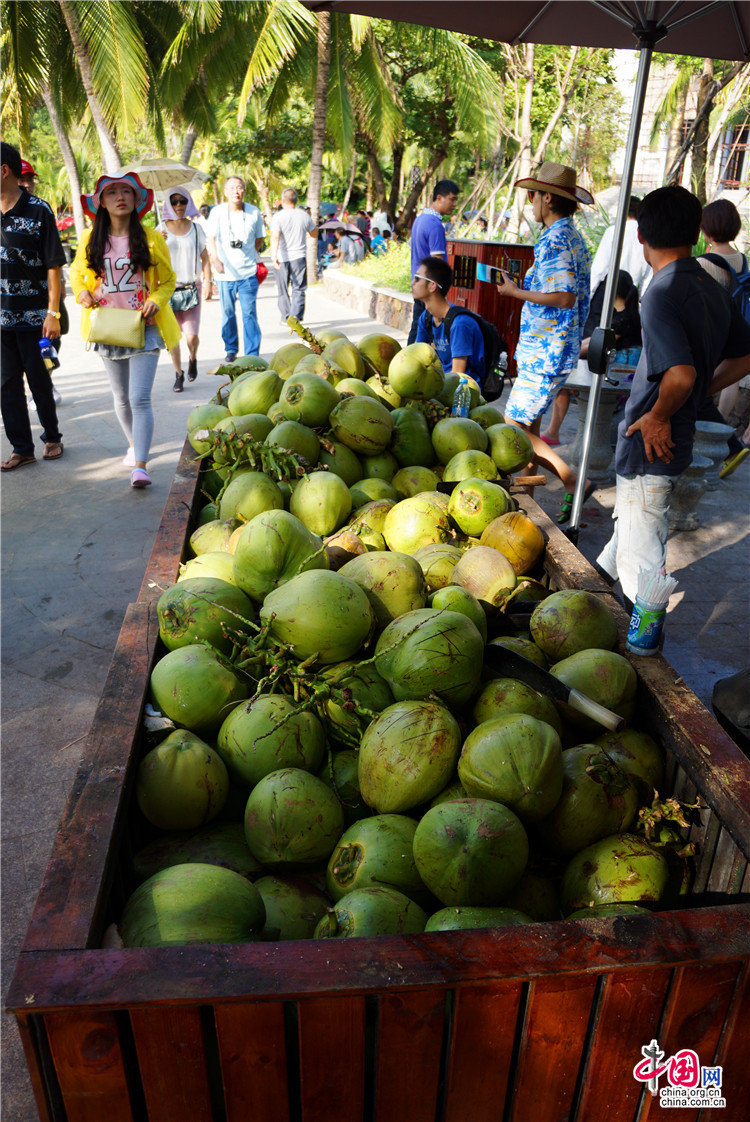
(713,28)
(334,224)
(328,208)
(161,174)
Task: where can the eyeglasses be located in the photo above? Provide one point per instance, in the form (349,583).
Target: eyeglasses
(178,200)
(419,277)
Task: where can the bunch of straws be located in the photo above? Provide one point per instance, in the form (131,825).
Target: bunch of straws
(655,587)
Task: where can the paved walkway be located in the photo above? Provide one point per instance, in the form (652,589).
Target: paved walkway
(75,543)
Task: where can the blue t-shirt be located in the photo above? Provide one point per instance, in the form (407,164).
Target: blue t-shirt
(378,246)
(687,319)
(466,341)
(427,237)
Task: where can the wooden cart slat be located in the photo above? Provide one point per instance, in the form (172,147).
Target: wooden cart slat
(479,1065)
(406,1082)
(252,1050)
(90,1067)
(171,1059)
(332,1057)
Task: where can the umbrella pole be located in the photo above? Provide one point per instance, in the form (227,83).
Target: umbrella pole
(602,340)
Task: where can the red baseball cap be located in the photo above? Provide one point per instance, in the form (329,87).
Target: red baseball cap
(27,169)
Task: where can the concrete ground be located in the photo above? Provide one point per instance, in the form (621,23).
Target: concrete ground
(75,544)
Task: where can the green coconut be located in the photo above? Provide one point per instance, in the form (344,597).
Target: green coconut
(345,355)
(486,574)
(572,620)
(394,583)
(292,819)
(510,447)
(383,465)
(416,371)
(267,733)
(378,350)
(192,903)
(604,676)
(525,647)
(203,609)
(296,438)
(502,696)
(598,799)
(341,461)
(470,852)
(456,599)
(255,425)
(369,490)
(475,503)
(218,843)
(376,851)
(293,905)
(408,755)
(248,494)
(384,391)
(271,549)
(340,773)
(213,536)
(360,683)
(536,896)
(515,760)
(411,442)
(457,434)
(321,501)
(217,565)
(639,755)
(469,465)
(362,424)
(308,399)
(195,689)
(372,911)
(461,919)
(286,358)
(437,563)
(368,522)
(410,481)
(621,869)
(255,393)
(428,651)
(182,783)
(414,523)
(319,613)
(353,386)
(323,368)
(487,415)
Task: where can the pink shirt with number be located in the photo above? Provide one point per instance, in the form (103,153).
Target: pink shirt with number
(120,287)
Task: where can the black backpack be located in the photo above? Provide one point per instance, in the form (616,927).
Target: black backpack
(494,347)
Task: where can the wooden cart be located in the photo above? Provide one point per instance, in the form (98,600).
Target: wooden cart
(540,1022)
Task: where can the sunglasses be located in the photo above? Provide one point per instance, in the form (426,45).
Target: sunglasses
(178,200)
(419,277)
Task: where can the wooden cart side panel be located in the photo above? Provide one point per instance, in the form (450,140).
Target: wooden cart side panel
(332,1057)
(631,1006)
(252,1051)
(552,1047)
(77,879)
(27,1033)
(409,1042)
(172,1061)
(694,1016)
(163,565)
(90,1067)
(481,1051)
(733,1052)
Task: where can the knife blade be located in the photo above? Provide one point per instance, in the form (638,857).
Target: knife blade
(510,664)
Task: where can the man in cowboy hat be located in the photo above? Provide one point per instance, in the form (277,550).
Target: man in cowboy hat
(556,299)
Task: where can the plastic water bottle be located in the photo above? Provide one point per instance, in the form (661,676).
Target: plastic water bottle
(461,399)
(49,354)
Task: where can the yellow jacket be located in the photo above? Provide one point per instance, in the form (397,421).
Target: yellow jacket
(160,282)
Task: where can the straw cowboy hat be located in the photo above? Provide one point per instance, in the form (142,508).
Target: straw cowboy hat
(144,198)
(558,180)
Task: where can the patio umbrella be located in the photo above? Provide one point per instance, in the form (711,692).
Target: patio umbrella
(334,224)
(161,175)
(712,28)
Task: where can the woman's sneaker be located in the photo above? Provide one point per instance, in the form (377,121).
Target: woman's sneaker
(140,478)
(129,459)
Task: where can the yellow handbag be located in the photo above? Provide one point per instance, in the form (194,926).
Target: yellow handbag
(116,327)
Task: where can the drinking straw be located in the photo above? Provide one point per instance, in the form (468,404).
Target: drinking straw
(655,586)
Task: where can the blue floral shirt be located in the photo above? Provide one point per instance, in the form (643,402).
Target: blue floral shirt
(550,341)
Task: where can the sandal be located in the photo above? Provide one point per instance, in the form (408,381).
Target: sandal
(53,450)
(566,508)
(178,382)
(192,370)
(16,460)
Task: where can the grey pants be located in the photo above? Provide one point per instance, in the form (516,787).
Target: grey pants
(131,380)
(296,272)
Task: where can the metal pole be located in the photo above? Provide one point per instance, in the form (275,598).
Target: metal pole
(636,115)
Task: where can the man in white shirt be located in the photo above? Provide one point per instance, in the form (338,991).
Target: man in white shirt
(235,237)
(290,227)
(632,260)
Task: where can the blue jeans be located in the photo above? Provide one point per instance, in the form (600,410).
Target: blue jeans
(246,292)
(641,517)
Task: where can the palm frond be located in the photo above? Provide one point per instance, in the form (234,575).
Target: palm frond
(377,102)
(118,60)
(24,60)
(339,113)
(281,28)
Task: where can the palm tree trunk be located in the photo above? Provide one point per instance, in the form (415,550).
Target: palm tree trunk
(352,176)
(319,134)
(69,160)
(398,160)
(376,171)
(524,149)
(700,140)
(434,163)
(188,143)
(110,154)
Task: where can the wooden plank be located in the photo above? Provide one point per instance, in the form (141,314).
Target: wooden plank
(27,1033)
(86,845)
(726,865)
(733,1052)
(552,1048)
(479,1062)
(90,1069)
(252,1051)
(410,1033)
(211,973)
(332,1058)
(630,1010)
(171,539)
(172,1061)
(694,1016)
